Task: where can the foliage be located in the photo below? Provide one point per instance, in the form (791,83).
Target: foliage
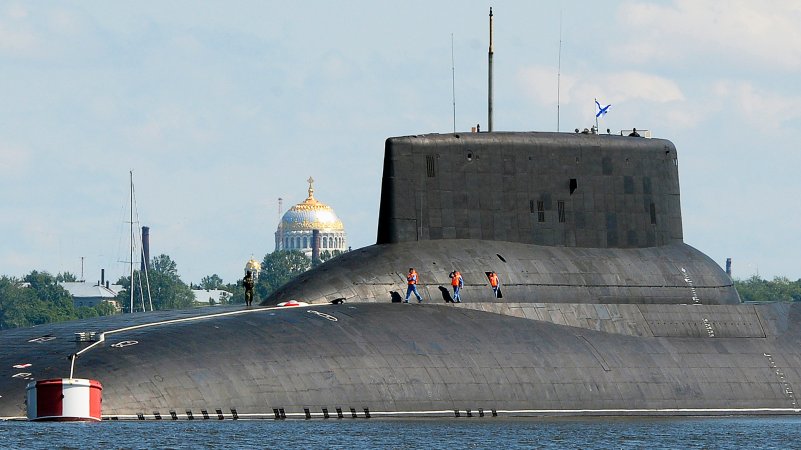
(66,277)
(38,299)
(325,255)
(211,282)
(277,268)
(237,291)
(755,289)
(167,291)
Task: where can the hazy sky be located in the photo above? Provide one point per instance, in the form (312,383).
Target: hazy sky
(219,108)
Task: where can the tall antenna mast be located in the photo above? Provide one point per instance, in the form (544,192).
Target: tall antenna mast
(453,84)
(559,71)
(489,89)
(131,288)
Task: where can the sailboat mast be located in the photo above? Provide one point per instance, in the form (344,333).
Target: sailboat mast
(132,246)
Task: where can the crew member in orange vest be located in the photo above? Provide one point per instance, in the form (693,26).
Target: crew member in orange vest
(493,278)
(456,282)
(411,280)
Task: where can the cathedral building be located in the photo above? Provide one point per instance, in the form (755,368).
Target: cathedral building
(297,226)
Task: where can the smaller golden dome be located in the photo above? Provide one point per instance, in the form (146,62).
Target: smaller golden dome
(253,266)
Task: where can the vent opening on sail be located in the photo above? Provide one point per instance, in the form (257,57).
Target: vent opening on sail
(653,214)
(431,169)
(500,257)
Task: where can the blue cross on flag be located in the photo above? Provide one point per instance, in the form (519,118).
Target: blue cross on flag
(602,110)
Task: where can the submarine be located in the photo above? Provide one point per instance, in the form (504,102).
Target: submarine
(605,311)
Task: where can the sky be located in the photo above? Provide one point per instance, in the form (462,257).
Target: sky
(220,108)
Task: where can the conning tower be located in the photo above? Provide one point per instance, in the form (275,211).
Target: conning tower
(561,217)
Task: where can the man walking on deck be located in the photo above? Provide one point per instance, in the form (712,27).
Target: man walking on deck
(411,281)
(456,282)
(495,283)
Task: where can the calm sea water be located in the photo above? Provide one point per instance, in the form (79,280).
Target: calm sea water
(672,433)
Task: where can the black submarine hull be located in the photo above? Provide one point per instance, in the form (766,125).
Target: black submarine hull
(412,360)
(606,311)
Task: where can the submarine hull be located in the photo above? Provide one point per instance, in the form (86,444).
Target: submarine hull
(412,360)
(605,311)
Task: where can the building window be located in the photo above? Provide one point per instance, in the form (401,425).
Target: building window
(653,214)
(560,207)
(540,211)
(305,242)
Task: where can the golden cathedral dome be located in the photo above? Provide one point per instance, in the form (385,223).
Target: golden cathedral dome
(311,214)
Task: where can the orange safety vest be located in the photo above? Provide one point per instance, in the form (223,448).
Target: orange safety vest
(412,278)
(456,278)
(493,280)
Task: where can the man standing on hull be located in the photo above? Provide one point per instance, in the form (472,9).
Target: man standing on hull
(411,281)
(248,283)
(456,283)
(495,283)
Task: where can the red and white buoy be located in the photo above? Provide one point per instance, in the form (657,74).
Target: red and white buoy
(64,399)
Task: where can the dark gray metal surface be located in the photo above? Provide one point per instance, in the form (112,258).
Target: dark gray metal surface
(487,186)
(414,360)
(605,309)
(675,273)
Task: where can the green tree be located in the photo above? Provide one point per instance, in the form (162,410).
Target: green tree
(237,293)
(167,291)
(66,277)
(325,255)
(58,305)
(85,312)
(35,300)
(39,299)
(211,282)
(106,309)
(277,268)
(756,289)
(16,303)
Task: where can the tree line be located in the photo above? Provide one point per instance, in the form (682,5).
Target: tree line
(780,289)
(38,298)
